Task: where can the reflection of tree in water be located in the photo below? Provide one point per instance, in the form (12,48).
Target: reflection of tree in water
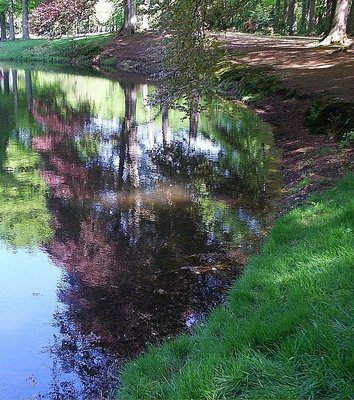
(142,262)
(24,218)
(129,260)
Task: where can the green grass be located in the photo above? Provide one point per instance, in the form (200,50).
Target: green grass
(79,51)
(287,331)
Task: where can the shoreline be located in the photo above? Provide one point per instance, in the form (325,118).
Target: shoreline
(310,163)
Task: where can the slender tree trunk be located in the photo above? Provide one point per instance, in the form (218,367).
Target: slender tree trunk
(277,15)
(351,20)
(311,16)
(338,32)
(304,15)
(129,17)
(3,26)
(291,17)
(11,20)
(25,30)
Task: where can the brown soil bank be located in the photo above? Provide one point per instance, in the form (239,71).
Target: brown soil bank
(310,162)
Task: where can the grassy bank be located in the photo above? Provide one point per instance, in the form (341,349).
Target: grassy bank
(78,51)
(288,328)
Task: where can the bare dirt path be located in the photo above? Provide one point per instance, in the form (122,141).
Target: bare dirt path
(309,162)
(301,64)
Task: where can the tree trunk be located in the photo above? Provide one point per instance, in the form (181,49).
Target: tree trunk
(15,90)
(311,16)
(130,132)
(304,15)
(11,20)
(166,130)
(29,91)
(3,26)
(129,27)
(25,30)
(338,32)
(194,118)
(351,20)
(291,17)
(6,82)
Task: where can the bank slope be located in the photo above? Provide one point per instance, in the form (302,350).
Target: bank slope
(79,50)
(288,328)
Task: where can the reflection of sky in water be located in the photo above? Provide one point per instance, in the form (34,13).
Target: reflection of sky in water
(26,316)
(27,323)
(149,138)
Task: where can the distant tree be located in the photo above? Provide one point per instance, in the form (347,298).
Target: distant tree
(4,6)
(11,20)
(55,18)
(3,26)
(25,11)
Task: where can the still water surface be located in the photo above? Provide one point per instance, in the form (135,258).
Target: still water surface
(121,224)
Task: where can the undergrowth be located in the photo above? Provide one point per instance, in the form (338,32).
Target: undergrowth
(250,83)
(333,118)
(287,331)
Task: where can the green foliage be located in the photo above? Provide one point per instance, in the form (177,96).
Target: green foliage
(191,52)
(262,16)
(287,329)
(333,118)
(348,138)
(4,6)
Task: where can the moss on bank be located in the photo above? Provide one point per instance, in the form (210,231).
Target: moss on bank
(288,328)
(80,51)
(250,83)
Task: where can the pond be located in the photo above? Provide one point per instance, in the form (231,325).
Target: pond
(121,223)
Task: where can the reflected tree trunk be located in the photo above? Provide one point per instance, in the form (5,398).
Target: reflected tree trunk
(149,125)
(6,82)
(3,26)
(14,90)
(166,130)
(122,155)
(29,92)
(130,132)
(194,117)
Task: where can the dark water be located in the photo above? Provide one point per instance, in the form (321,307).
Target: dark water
(120,224)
